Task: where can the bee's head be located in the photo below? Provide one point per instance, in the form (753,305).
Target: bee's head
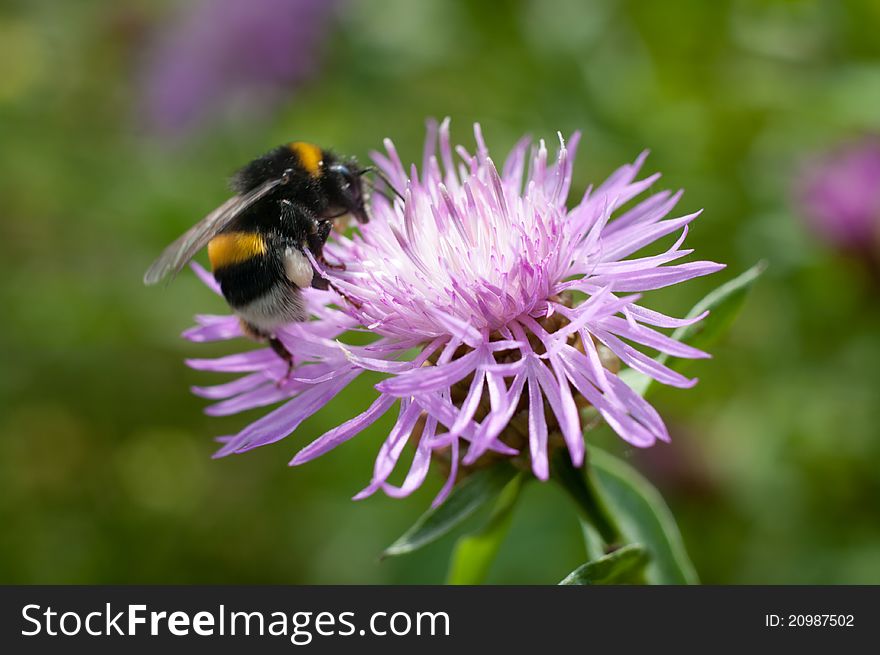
(345,188)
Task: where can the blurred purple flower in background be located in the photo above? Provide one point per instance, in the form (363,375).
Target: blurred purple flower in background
(497,310)
(839,195)
(223,54)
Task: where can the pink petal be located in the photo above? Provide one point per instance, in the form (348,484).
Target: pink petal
(345,431)
(537,431)
(281,422)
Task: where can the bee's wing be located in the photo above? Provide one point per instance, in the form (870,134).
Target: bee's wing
(176,256)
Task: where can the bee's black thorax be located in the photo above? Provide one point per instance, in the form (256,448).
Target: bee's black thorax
(259,259)
(307,183)
(263,243)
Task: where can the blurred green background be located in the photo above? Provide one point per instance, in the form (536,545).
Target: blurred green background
(105,468)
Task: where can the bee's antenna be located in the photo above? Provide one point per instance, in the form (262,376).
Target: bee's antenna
(381,176)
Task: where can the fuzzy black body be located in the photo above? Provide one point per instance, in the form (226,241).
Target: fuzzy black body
(261,242)
(317,180)
(259,259)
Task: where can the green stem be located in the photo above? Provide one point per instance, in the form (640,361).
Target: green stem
(583,488)
(474,553)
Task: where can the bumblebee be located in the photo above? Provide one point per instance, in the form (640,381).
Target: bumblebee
(284,205)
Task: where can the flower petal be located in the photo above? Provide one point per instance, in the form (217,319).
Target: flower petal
(342,433)
(281,422)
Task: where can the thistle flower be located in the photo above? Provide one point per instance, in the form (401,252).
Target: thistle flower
(498,314)
(839,195)
(225,53)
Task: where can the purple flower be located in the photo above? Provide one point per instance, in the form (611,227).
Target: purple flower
(839,194)
(472,287)
(226,52)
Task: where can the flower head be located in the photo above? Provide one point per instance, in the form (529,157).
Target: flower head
(224,53)
(498,314)
(839,194)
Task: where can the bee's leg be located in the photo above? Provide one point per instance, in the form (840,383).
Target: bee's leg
(334,267)
(274,343)
(316,241)
(318,280)
(320,283)
(280,350)
(351,302)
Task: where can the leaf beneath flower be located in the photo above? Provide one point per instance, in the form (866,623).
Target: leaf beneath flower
(644,518)
(625,565)
(473,553)
(468,496)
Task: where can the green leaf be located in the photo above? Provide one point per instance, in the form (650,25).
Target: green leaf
(625,565)
(474,553)
(466,498)
(592,540)
(723,303)
(644,519)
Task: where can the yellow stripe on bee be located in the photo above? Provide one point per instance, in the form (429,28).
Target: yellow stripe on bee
(309,155)
(231,248)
